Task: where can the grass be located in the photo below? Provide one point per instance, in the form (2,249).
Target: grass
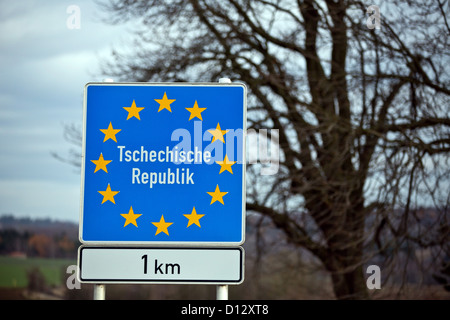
(13,271)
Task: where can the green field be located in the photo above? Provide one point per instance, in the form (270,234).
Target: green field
(13,271)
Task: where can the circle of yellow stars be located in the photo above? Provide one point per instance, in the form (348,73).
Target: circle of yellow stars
(134,112)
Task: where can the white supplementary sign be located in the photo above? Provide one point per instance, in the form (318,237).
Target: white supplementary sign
(161,265)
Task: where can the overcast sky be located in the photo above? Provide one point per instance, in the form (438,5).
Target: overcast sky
(44,66)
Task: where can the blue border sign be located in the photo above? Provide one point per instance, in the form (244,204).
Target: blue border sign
(163,164)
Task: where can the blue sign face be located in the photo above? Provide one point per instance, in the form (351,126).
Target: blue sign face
(163,164)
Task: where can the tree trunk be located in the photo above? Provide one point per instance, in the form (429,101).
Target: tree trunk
(350,285)
(343,229)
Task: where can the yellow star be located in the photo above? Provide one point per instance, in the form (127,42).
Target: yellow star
(101,163)
(218,133)
(133,111)
(217,195)
(226,165)
(108,195)
(193,218)
(130,217)
(195,111)
(110,133)
(162,226)
(164,103)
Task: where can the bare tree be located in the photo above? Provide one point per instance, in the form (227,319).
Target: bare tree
(362,114)
(73,135)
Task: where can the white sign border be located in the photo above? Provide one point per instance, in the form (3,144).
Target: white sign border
(162,281)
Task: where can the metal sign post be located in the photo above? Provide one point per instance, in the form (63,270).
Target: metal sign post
(222,292)
(99,292)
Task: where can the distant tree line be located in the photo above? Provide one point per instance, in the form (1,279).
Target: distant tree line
(37,244)
(37,238)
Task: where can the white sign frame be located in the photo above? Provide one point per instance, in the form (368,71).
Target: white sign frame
(214,265)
